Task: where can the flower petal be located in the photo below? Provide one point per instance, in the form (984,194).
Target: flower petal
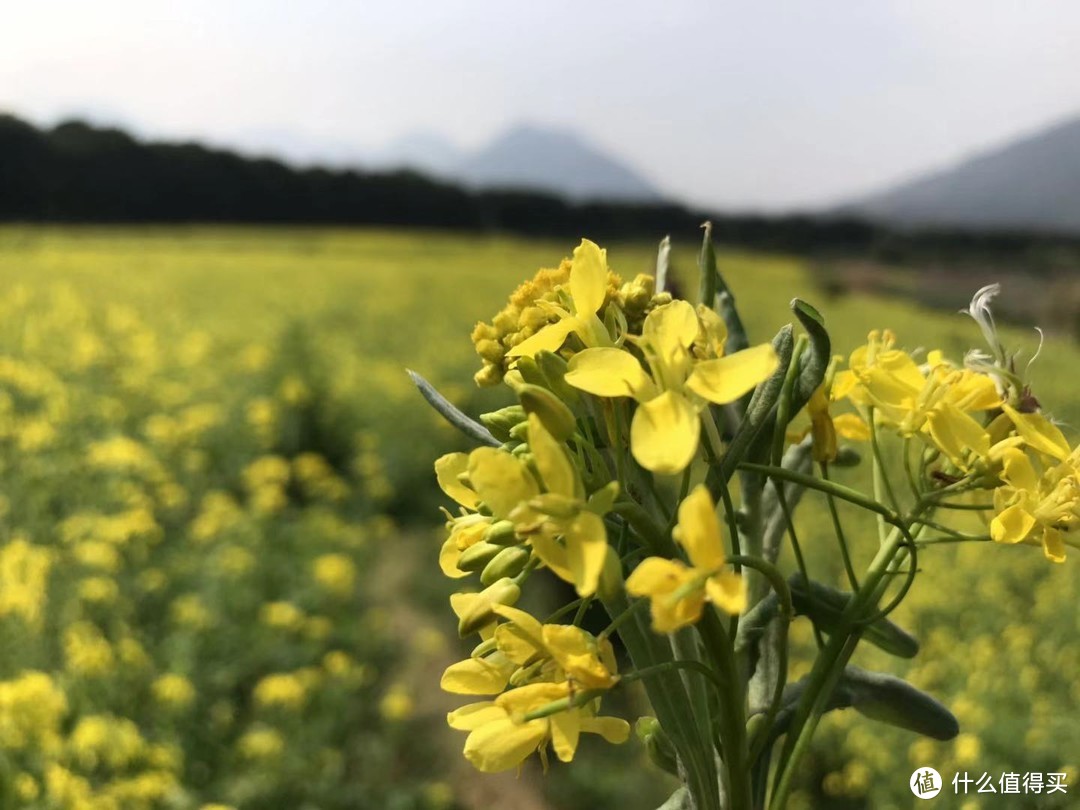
(588,278)
(449,555)
(550,338)
(500,479)
(851,426)
(664,433)
(1039,432)
(1018,471)
(670,329)
(698,530)
(956,433)
(477,676)
(1012,525)
(1053,545)
(447,470)
(609,372)
(725,379)
(614,730)
(503,744)
(474,715)
(586,550)
(552,461)
(565,732)
(727,590)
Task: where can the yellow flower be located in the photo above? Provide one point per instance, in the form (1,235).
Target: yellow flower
(500,738)
(576,655)
(24,580)
(678,592)
(261,743)
(565,531)
(285,690)
(903,395)
(665,428)
(335,574)
(397,704)
(468,528)
(824,427)
(1036,508)
(174,691)
(549,652)
(588,289)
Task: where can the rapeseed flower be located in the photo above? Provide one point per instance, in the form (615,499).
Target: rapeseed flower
(501,738)
(1036,508)
(665,429)
(678,592)
(557,520)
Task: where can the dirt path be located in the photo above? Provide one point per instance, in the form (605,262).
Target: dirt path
(398,573)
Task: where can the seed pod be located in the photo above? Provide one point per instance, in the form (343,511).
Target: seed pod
(509,562)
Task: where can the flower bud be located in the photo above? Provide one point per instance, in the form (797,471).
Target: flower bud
(500,533)
(478,555)
(554,369)
(557,419)
(657,744)
(509,562)
(530,373)
(500,422)
(519,432)
(477,613)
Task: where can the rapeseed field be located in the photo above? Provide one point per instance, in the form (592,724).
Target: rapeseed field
(216,514)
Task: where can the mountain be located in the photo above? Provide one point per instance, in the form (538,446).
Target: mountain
(555,161)
(1030,183)
(427,152)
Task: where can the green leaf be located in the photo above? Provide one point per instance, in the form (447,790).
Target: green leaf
(470,427)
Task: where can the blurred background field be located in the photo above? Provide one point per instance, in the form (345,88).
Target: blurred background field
(219,527)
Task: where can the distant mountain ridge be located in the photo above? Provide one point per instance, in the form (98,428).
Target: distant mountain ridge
(1031,183)
(525,158)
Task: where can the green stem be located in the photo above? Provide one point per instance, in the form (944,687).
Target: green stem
(827,668)
(787,613)
(621,618)
(881,480)
(937,541)
(837,490)
(732,710)
(838,528)
(671,666)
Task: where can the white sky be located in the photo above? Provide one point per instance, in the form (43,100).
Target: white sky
(737,104)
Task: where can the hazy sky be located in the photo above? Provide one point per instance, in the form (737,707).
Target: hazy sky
(749,104)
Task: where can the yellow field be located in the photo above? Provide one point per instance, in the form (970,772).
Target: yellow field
(209,446)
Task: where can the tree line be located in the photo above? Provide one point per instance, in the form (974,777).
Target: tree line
(79,173)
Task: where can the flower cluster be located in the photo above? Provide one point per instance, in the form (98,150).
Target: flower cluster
(640,421)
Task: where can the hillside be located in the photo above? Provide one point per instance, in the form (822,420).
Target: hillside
(1031,183)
